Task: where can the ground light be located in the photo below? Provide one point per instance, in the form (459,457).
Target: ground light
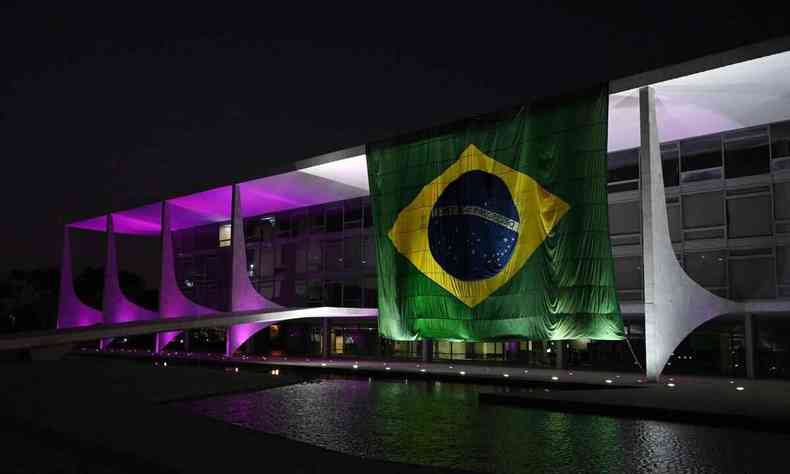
(554,377)
(462,372)
(671,385)
(739,388)
(608,380)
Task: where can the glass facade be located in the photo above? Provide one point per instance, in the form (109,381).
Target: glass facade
(728,203)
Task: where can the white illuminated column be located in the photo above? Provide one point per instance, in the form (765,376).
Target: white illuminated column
(674,303)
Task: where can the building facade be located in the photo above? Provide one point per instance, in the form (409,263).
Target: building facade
(725,161)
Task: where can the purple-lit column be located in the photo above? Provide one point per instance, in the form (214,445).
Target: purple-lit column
(243,296)
(172,302)
(71,311)
(116,308)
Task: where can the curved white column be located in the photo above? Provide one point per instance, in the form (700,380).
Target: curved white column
(172,302)
(116,308)
(674,303)
(71,311)
(243,296)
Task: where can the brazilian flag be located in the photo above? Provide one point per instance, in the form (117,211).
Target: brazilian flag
(497,226)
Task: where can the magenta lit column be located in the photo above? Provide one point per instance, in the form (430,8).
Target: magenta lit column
(71,311)
(116,308)
(172,302)
(243,296)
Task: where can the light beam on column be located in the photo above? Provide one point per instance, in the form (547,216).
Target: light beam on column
(71,311)
(243,296)
(116,308)
(172,302)
(674,303)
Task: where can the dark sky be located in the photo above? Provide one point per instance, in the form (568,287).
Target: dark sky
(105,109)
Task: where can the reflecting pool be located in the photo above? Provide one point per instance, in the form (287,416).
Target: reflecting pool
(442,424)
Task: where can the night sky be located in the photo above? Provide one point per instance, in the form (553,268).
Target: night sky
(109,109)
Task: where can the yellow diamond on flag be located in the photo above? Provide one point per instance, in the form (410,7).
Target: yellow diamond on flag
(486,265)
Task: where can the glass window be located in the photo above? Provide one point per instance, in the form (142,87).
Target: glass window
(782,200)
(780,139)
(352,252)
(783,265)
(299,224)
(283,225)
(704,234)
(317,219)
(267,289)
(334,219)
(300,292)
(253,267)
(300,265)
(369,252)
(315,292)
(707,268)
(352,294)
(224,235)
(212,268)
(623,165)
(701,153)
(749,216)
(703,210)
(628,273)
(752,278)
(333,255)
(267,262)
(267,224)
(289,256)
(371,295)
(624,218)
(333,293)
(352,215)
(746,153)
(315,256)
(252,230)
(673,214)
(670,163)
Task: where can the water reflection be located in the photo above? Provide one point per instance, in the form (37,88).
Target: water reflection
(442,424)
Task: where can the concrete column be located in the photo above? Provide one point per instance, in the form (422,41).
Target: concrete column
(243,296)
(172,302)
(559,351)
(750,342)
(71,311)
(427,350)
(674,303)
(111,291)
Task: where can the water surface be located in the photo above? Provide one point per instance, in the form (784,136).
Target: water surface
(442,424)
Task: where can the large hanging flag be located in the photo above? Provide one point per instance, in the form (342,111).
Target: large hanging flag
(497,227)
